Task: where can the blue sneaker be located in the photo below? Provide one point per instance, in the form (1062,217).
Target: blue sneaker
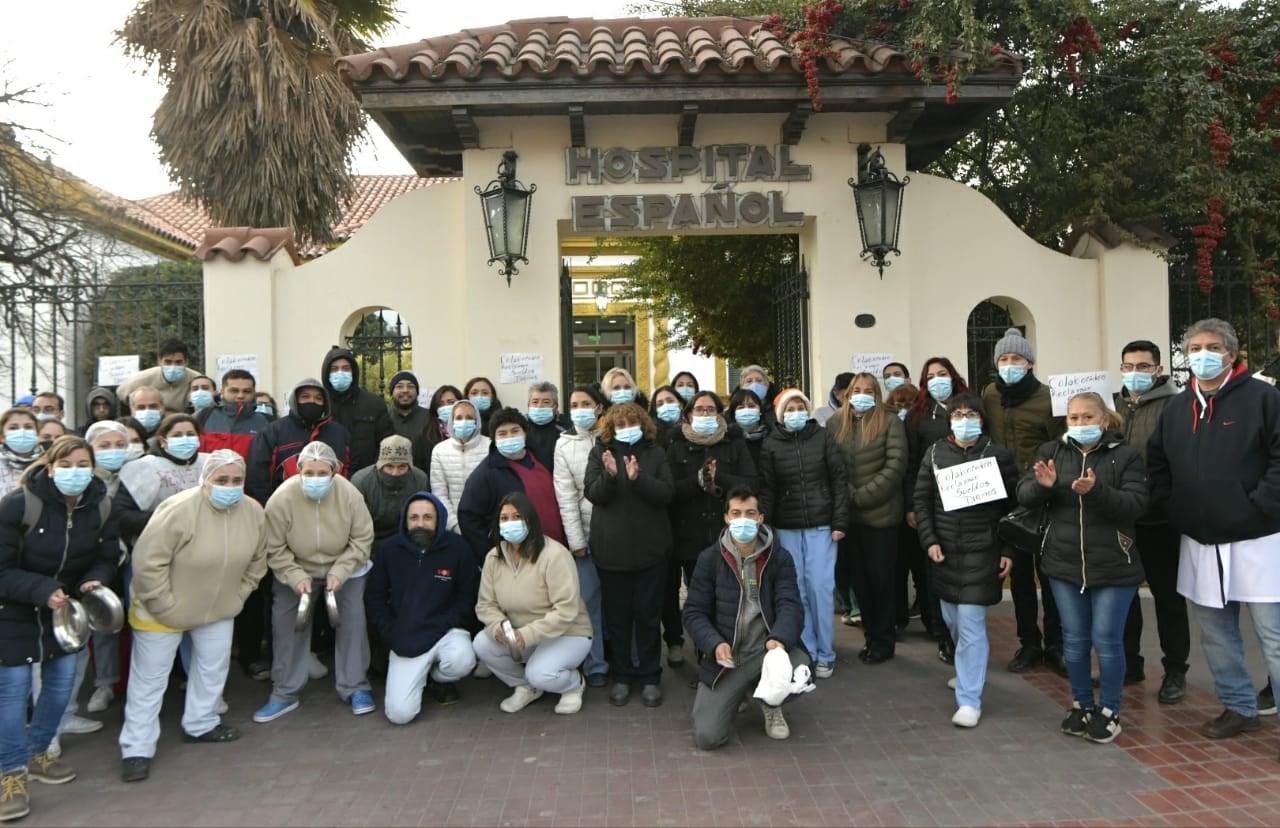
(273,710)
(362,702)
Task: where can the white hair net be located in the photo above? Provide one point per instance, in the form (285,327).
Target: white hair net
(318,451)
(106,427)
(217,460)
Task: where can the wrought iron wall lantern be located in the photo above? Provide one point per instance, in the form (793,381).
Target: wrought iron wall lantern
(506,205)
(877,195)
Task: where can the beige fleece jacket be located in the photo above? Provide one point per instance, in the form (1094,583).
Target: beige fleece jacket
(194,564)
(175,395)
(541,599)
(310,539)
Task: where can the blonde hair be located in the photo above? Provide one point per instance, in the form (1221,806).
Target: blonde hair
(870,425)
(1110,419)
(63,447)
(613,373)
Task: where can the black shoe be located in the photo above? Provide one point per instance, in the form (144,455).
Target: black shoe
(1173,688)
(1135,678)
(651,695)
(914,610)
(947,652)
(1025,659)
(1103,726)
(597,679)
(444,694)
(877,657)
(1077,721)
(1054,661)
(259,670)
(1266,701)
(619,694)
(135,769)
(1229,724)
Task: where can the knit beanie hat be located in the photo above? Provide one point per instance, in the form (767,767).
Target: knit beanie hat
(395,449)
(786,396)
(404,375)
(1013,342)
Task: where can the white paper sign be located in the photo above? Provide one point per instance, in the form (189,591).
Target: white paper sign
(1062,387)
(871,363)
(969,484)
(518,368)
(424,397)
(113,370)
(245,362)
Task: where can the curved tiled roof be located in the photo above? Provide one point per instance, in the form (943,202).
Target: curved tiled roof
(547,48)
(234,243)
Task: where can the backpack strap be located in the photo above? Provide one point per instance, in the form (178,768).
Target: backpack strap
(32,508)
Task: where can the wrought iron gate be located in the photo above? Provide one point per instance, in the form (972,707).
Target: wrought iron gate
(1232,299)
(383,347)
(987,324)
(791,326)
(566,334)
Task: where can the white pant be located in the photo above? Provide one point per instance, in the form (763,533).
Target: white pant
(450,660)
(550,666)
(149,668)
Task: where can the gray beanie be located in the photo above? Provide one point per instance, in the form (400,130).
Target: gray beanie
(1013,342)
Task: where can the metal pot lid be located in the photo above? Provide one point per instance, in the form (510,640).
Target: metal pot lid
(71,626)
(105,611)
(304,612)
(331,604)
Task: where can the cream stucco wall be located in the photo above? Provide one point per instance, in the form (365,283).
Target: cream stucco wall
(424,256)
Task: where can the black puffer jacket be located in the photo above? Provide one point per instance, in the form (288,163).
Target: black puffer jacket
(1090,538)
(630,527)
(803,480)
(969,572)
(363,413)
(935,425)
(59,552)
(697,518)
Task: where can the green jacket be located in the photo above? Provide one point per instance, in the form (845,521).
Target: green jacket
(876,471)
(1141,415)
(1018,421)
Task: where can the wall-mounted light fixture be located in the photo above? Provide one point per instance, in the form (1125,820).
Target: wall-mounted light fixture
(877,195)
(506,204)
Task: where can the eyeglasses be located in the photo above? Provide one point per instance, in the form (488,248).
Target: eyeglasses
(47,409)
(957,416)
(1130,367)
(707,410)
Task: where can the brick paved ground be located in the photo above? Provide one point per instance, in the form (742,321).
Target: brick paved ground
(872,746)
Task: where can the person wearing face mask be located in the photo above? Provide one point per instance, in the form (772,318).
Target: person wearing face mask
(201,555)
(234,421)
(874,444)
(408,418)
(629,484)
(835,398)
(265,404)
(913,563)
(437,427)
(968,560)
(706,461)
(202,395)
(147,407)
(1021,418)
(1093,489)
(171,377)
(319,540)
(21,446)
(49,407)
(745,417)
(618,386)
(102,404)
(72,548)
(586,407)
(546,424)
(454,459)
(273,455)
(1215,472)
(894,376)
(667,412)
(420,599)
(485,398)
(49,430)
(149,481)
(387,485)
(137,440)
(686,386)
(1145,393)
(756,379)
(363,413)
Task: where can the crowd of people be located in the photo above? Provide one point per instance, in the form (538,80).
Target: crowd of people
(566,543)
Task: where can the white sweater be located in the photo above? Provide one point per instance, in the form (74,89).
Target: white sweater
(572,450)
(452,462)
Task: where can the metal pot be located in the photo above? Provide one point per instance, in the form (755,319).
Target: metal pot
(304,612)
(331,604)
(106,613)
(71,626)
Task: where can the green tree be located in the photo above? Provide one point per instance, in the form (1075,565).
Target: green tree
(255,122)
(142,306)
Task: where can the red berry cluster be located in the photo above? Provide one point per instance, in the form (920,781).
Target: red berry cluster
(1079,39)
(1219,143)
(1222,51)
(1127,30)
(1207,237)
(811,42)
(1269,111)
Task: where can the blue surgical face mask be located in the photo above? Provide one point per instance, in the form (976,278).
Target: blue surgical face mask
(464,429)
(514,531)
(201,399)
(705,425)
(481,402)
(1138,382)
(630,435)
(340,380)
(622,395)
(541,415)
(173,373)
(1085,435)
(761,389)
(149,418)
(893,383)
(686,392)
(669,412)
(747,417)
(902,414)
(265,410)
(583,418)
(22,440)
(1206,364)
(316,487)
(44,418)
(795,420)
(862,403)
(939,388)
(510,446)
(224,497)
(744,530)
(183,448)
(111,459)
(1012,374)
(444,413)
(966,429)
(72,482)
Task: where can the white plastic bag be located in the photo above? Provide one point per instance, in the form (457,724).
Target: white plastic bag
(778,680)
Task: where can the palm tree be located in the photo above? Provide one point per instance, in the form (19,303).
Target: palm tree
(255,122)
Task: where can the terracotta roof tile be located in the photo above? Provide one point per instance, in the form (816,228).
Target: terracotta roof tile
(234,243)
(584,46)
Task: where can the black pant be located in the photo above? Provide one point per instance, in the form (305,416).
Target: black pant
(1158,544)
(912,562)
(1026,566)
(253,624)
(672,625)
(632,605)
(875,564)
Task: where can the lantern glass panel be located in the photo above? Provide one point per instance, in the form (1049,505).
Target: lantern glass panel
(871,198)
(495,222)
(517,206)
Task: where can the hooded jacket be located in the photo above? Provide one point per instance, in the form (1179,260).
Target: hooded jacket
(232,426)
(386,497)
(414,596)
(1141,417)
(362,412)
(273,455)
(311,539)
(1215,461)
(1020,417)
(452,462)
(63,550)
(99,394)
(803,480)
(572,450)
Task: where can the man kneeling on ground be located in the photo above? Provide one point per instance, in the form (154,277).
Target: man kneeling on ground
(421,594)
(743,601)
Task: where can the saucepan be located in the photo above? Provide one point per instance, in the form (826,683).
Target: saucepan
(71,626)
(106,613)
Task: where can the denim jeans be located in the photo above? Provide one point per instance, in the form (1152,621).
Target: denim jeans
(814,553)
(1224,651)
(967,624)
(1093,618)
(18,742)
(589,585)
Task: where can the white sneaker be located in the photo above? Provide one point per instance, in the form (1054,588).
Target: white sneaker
(482,671)
(966,716)
(775,726)
(55,748)
(951,682)
(571,702)
(316,669)
(520,699)
(824,669)
(101,699)
(221,707)
(80,725)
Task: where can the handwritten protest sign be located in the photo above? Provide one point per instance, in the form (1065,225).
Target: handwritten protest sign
(245,362)
(969,484)
(871,363)
(517,368)
(113,370)
(1062,387)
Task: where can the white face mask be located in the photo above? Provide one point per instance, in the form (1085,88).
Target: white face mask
(135,451)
